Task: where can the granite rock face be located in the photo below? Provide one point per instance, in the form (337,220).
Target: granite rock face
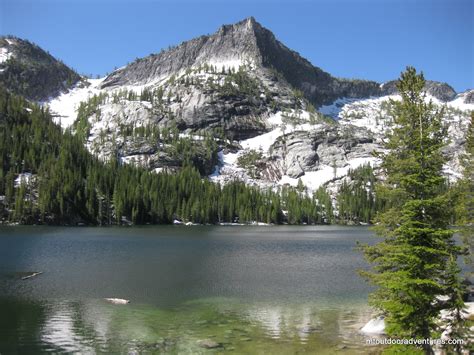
(302,151)
(239,115)
(195,76)
(244,42)
(230,43)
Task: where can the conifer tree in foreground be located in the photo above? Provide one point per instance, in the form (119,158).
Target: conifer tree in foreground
(466,193)
(410,265)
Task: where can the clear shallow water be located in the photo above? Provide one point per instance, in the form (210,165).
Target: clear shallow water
(251,289)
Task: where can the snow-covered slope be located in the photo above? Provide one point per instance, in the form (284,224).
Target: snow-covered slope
(64,107)
(294,144)
(303,140)
(236,88)
(374,115)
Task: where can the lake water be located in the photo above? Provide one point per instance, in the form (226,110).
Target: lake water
(271,289)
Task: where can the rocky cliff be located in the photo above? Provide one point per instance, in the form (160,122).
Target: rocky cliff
(246,42)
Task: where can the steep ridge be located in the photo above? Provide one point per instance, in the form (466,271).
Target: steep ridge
(248,42)
(318,86)
(233,45)
(27,70)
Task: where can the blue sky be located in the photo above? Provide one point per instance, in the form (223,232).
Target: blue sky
(367,39)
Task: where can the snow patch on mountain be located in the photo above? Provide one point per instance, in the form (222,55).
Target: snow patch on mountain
(229,171)
(64,107)
(335,108)
(459,102)
(5,54)
(134,113)
(314,179)
(371,113)
(23,178)
(264,141)
(374,115)
(137,160)
(228,64)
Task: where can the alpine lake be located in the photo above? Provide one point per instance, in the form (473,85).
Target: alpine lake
(192,290)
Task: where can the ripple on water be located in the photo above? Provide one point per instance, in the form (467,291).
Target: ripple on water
(95,326)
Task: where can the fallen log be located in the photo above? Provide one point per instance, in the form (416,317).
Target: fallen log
(32,275)
(117,300)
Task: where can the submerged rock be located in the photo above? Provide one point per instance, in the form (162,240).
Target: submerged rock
(311,329)
(209,344)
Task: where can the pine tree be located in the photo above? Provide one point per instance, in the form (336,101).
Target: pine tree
(466,191)
(455,325)
(410,264)
(72,186)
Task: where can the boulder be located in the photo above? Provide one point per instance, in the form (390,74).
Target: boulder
(375,326)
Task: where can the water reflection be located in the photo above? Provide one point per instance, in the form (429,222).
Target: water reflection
(94,326)
(60,331)
(251,289)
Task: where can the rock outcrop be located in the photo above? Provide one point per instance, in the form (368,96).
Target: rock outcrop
(442,91)
(466,97)
(330,145)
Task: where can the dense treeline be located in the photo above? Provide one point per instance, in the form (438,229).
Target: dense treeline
(49,177)
(356,198)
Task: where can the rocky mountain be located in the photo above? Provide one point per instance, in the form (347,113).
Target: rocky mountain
(440,91)
(240,104)
(27,70)
(244,42)
(466,97)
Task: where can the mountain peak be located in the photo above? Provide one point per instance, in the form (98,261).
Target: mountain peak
(248,23)
(234,45)
(47,76)
(229,45)
(252,23)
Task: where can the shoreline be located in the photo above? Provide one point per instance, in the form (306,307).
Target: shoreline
(182,224)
